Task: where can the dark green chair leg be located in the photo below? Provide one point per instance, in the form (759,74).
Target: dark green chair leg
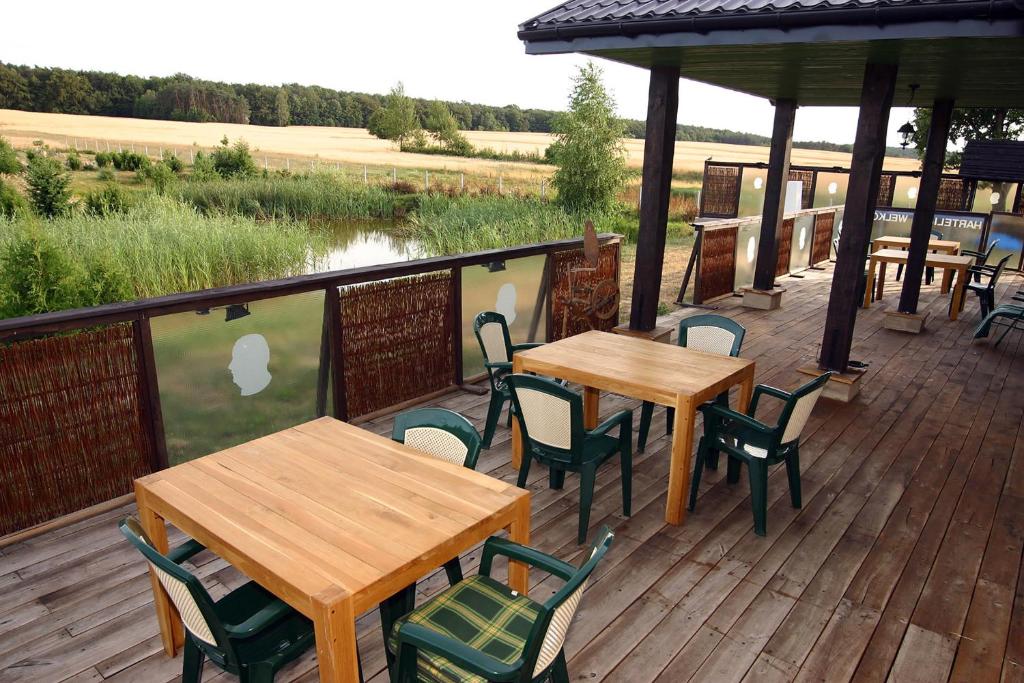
(493,413)
(758,472)
(646,415)
(626,464)
(793,472)
(453,568)
(732,471)
(508,420)
(560,671)
(260,672)
(556,478)
(393,609)
(698,469)
(192,664)
(524,470)
(587,477)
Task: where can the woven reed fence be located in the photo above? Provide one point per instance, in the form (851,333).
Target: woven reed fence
(72,428)
(886,189)
(784,240)
(571,318)
(720,194)
(808,180)
(398,340)
(717,270)
(821,242)
(954,194)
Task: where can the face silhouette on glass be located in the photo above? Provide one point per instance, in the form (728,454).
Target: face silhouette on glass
(249,360)
(506,302)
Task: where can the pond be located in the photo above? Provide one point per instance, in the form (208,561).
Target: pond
(354,244)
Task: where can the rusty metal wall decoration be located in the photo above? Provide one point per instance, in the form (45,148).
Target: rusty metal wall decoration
(73,429)
(821,242)
(584,298)
(397,340)
(717,268)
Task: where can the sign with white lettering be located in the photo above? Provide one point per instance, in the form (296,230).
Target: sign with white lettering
(966,228)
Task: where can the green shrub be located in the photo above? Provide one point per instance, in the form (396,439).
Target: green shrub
(104,159)
(106,175)
(106,202)
(129,161)
(73,161)
(203,169)
(234,161)
(11,201)
(173,162)
(48,187)
(160,174)
(9,158)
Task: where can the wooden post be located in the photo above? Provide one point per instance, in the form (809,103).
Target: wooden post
(659,149)
(861,196)
(456,303)
(149,391)
(927,197)
(337,332)
(774,194)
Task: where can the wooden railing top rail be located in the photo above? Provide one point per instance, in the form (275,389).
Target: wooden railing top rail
(58,321)
(720,223)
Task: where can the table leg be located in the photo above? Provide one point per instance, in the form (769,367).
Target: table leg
(881,281)
(958,293)
(746,392)
(334,621)
(947,280)
(519,532)
(591,406)
(870,283)
(172,632)
(517,436)
(680,465)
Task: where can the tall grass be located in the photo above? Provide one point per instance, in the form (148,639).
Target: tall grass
(451,225)
(318,196)
(165,246)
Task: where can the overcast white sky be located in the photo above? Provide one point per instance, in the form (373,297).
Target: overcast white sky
(448,49)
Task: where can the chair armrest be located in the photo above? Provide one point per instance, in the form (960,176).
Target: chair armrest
(526,346)
(623,418)
(504,365)
(521,553)
(971,252)
(185,551)
(460,654)
(764,390)
(737,418)
(257,623)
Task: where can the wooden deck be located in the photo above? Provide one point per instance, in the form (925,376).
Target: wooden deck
(904,561)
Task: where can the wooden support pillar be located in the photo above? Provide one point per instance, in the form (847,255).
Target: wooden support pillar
(775,194)
(861,196)
(927,197)
(659,149)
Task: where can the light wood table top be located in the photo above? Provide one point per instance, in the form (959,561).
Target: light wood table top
(332,519)
(893,242)
(666,374)
(949,262)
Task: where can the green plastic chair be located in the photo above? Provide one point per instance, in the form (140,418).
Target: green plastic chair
(744,439)
(551,421)
(249,632)
(443,434)
(481,630)
(491,330)
(712,334)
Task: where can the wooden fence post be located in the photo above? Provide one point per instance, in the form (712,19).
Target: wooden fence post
(332,300)
(149,390)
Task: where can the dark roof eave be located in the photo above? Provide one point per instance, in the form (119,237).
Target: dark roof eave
(879,15)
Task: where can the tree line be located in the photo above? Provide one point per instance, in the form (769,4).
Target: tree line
(183,98)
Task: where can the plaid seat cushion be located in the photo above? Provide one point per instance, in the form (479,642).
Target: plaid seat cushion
(480,612)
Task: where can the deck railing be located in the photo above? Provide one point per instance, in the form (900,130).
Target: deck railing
(92,398)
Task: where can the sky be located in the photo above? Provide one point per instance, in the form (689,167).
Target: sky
(447,49)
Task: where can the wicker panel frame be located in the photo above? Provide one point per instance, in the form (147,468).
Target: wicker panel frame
(73,429)
(397,339)
(954,194)
(808,178)
(886,189)
(717,269)
(562,263)
(784,243)
(821,241)
(720,191)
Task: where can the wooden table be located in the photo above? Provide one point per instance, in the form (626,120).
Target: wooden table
(332,519)
(665,374)
(941,246)
(947,262)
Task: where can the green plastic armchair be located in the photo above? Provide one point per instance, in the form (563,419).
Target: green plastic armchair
(481,630)
(249,632)
(712,334)
(491,331)
(551,423)
(747,440)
